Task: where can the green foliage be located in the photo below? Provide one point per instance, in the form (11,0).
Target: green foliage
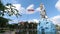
(58,27)
(3,22)
(10,11)
(13,10)
(2,8)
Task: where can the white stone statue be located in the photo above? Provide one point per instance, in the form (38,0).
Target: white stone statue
(42,11)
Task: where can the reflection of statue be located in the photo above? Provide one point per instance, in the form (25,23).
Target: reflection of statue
(42,11)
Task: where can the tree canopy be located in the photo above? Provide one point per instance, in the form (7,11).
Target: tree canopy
(10,11)
(3,22)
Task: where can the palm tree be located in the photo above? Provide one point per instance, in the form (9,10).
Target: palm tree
(10,11)
(2,7)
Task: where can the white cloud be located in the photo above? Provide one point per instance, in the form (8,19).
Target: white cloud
(24,10)
(17,6)
(13,21)
(20,8)
(37,9)
(57,5)
(33,20)
(56,19)
(30,7)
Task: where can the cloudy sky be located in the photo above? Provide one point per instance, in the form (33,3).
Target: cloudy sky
(52,9)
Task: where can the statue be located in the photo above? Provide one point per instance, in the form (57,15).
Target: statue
(42,11)
(45,26)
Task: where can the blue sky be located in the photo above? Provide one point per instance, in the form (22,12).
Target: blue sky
(51,10)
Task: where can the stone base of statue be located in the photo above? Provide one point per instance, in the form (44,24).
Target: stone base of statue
(46,26)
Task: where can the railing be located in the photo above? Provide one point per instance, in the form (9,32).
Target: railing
(27,31)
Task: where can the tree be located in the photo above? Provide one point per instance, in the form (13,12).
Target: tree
(10,11)
(2,8)
(57,27)
(3,22)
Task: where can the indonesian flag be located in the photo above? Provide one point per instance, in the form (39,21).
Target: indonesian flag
(30,9)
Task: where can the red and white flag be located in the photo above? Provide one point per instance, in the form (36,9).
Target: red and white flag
(30,9)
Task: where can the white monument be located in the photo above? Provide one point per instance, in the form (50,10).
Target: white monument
(45,26)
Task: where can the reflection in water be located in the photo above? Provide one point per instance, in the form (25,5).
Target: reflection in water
(42,30)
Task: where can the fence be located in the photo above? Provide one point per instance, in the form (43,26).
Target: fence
(26,31)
